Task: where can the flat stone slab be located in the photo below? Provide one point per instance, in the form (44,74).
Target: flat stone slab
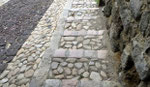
(81,18)
(83,33)
(52,83)
(60,53)
(80,9)
(69,83)
(80,53)
(83,2)
(98,84)
(102,54)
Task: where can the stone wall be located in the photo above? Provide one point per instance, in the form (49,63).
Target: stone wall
(128,27)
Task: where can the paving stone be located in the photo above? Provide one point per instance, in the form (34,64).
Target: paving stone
(58,60)
(81,71)
(59,76)
(101,32)
(69,38)
(86,66)
(86,74)
(4,80)
(22,81)
(90,54)
(60,53)
(52,83)
(79,26)
(55,72)
(67,33)
(31,59)
(69,83)
(78,65)
(87,47)
(95,76)
(98,65)
(20,76)
(104,66)
(92,32)
(71,60)
(93,68)
(76,53)
(70,19)
(83,60)
(86,41)
(67,71)
(12,85)
(91,63)
(54,65)
(102,54)
(63,64)
(89,83)
(29,73)
(74,71)
(80,39)
(103,74)
(60,70)
(79,45)
(70,65)
(4,74)
(67,25)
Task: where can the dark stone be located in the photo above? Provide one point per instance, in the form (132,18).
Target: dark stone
(102,3)
(145,24)
(148,1)
(125,15)
(115,37)
(140,56)
(9,59)
(126,60)
(107,9)
(115,29)
(2,67)
(11,52)
(2,42)
(136,6)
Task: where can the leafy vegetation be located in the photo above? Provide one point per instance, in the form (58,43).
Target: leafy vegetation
(98,1)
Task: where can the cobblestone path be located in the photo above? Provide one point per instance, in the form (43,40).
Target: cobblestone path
(66,49)
(78,56)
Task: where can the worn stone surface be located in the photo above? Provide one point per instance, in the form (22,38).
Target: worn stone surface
(128,30)
(26,48)
(95,76)
(136,6)
(52,83)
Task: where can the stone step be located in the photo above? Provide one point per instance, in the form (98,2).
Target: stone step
(98,84)
(71,19)
(83,9)
(80,53)
(82,83)
(83,33)
(83,2)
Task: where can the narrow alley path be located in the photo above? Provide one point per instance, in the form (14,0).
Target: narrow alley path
(77,56)
(66,49)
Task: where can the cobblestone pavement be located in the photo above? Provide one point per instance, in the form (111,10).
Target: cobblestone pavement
(20,71)
(66,49)
(78,56)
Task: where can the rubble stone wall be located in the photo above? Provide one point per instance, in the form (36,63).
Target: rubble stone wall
(128,25)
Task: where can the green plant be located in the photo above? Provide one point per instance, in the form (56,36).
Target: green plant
(98,1)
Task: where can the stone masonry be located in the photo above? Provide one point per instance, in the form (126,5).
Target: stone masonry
(78,56)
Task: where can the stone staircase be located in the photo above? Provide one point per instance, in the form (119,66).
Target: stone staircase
(78,50)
